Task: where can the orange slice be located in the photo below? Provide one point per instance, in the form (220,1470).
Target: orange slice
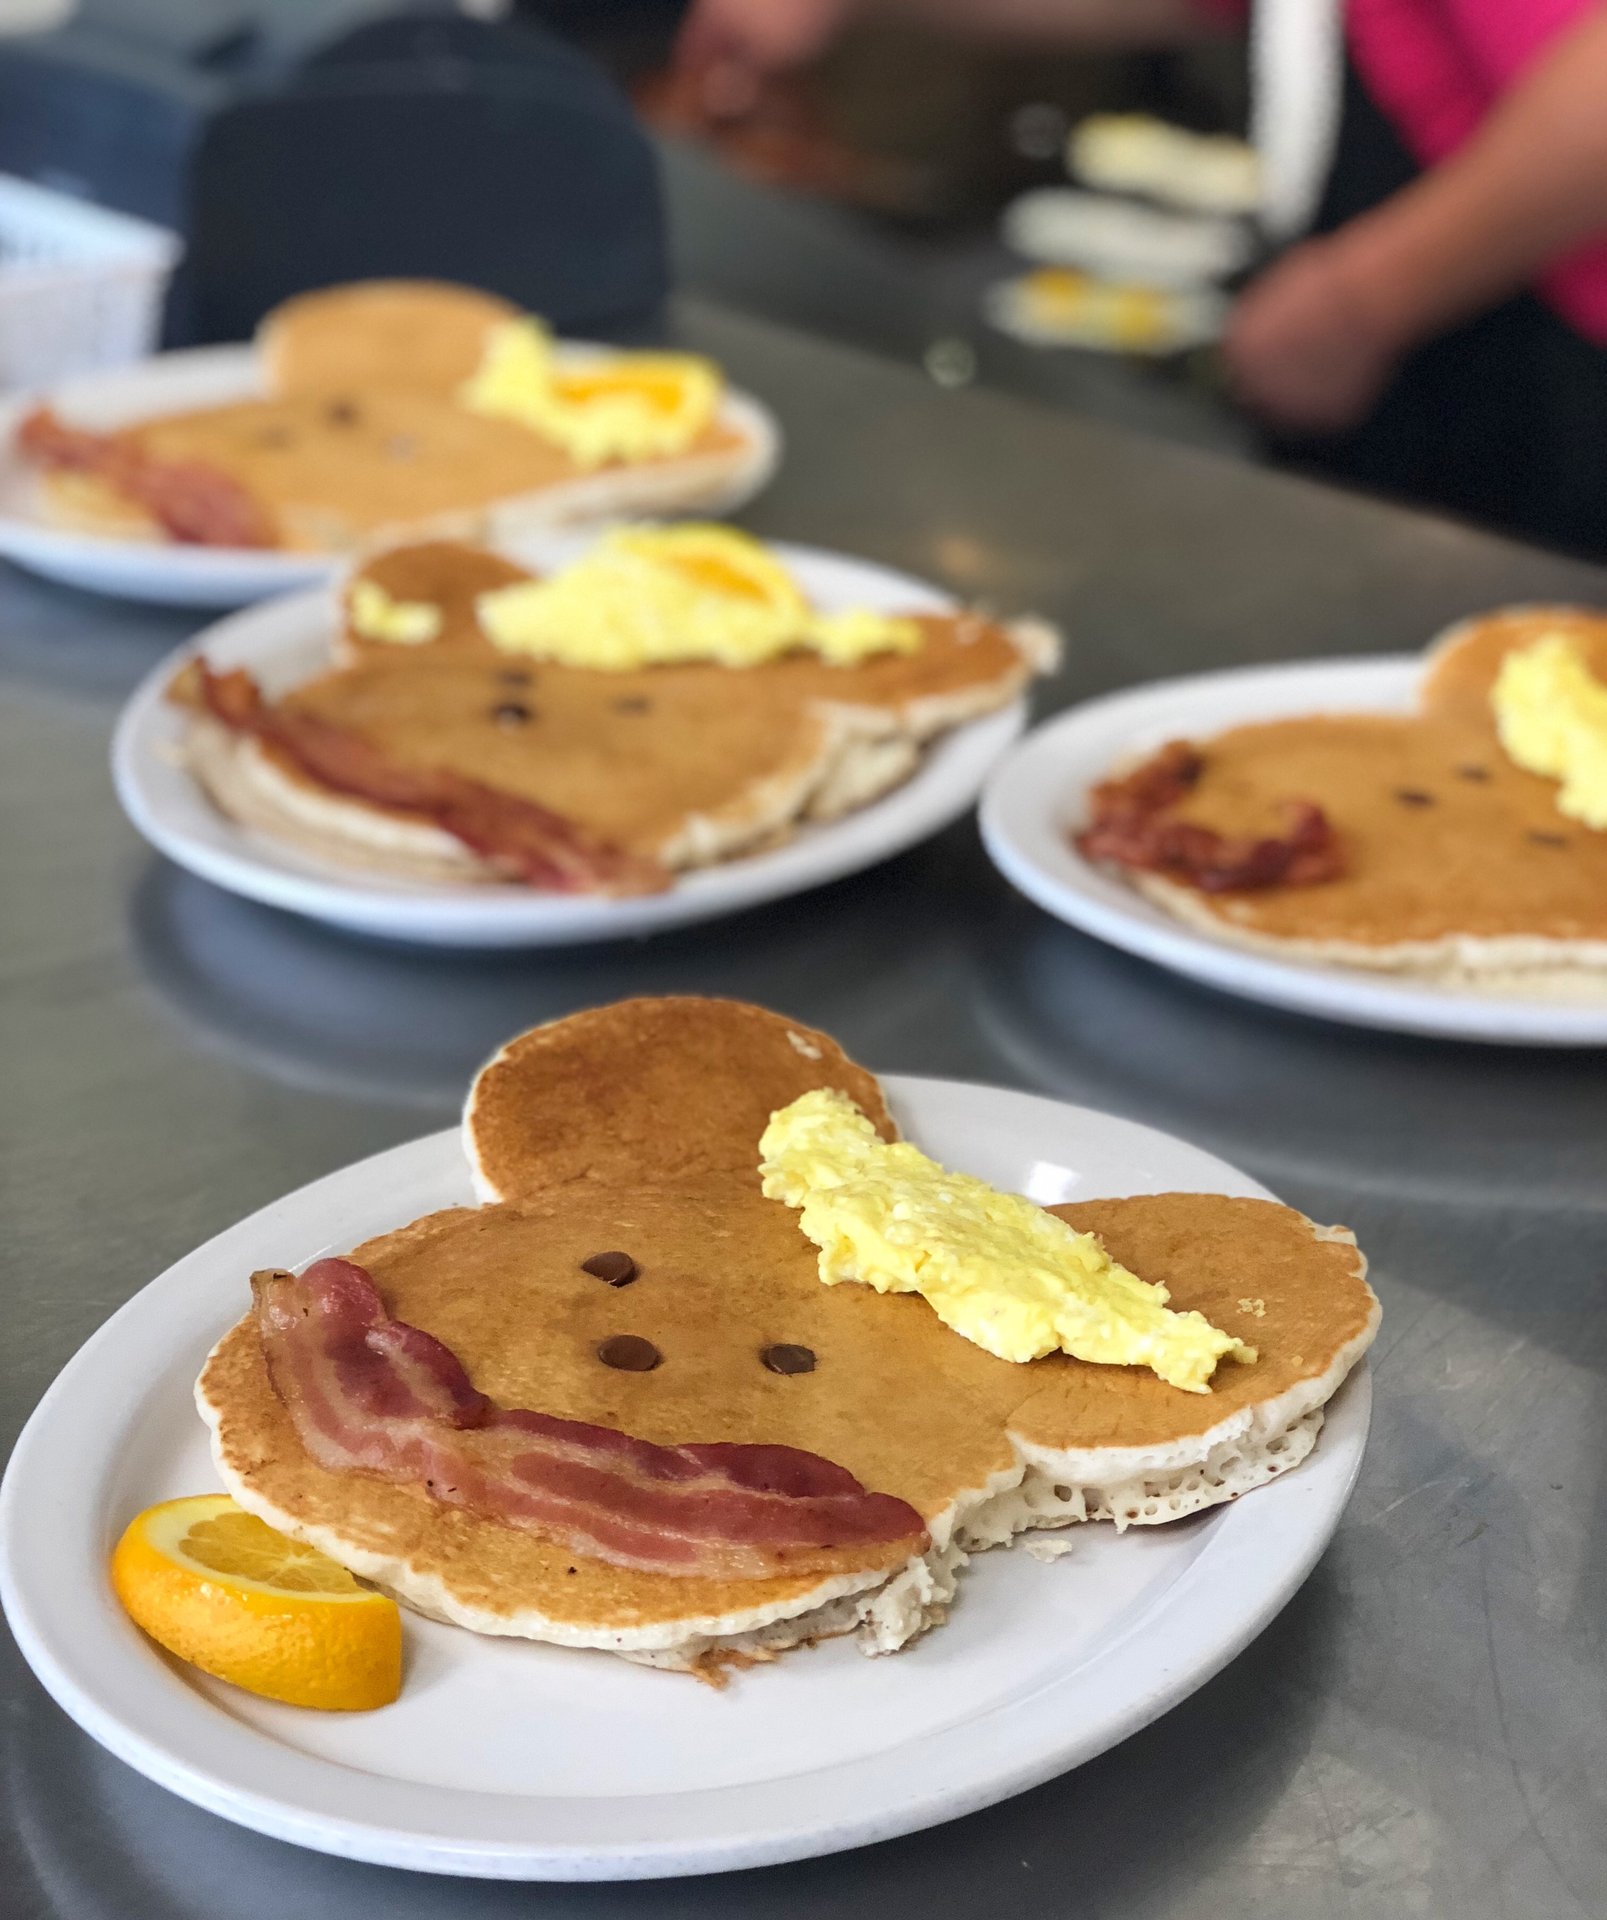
(219,1588)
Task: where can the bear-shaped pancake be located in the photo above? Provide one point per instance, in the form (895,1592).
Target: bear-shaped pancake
(632,1131)
(674,766)
(1453,859)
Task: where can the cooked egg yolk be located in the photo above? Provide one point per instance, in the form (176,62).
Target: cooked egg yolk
(646,596)
(993,1266)
(376,616)
(1113,311)
(629,406)
(1551,714)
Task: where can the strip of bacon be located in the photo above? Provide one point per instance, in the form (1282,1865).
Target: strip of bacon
(526,841)
(1129,827)
(194,503)
(370,1394)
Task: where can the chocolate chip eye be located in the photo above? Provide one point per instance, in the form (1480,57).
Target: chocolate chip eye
(1547,839)
(512,713)
(613,1269)
(1414,797)
(630,1353)
(342,413)
(515,676)
(633,703)
(788,1359)
(1473,773)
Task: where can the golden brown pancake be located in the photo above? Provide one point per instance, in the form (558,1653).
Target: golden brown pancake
(427,334)
(361,436)
(1456,860)
(605,1160)
(686,764)
(336,472)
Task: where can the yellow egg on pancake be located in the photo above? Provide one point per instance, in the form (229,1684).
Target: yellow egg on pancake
(997,1268)
(652,596)
(619,406)
(1551,715)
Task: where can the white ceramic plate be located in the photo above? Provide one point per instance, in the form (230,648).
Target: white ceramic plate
(513,1760)
(289,641)
(1038,795)
(184,576)
(1124,240)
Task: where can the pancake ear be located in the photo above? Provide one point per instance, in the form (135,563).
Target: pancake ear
(447,574)
(645,1092)
(1462,662)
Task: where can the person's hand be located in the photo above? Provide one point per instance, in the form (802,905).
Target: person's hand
(1306,348)
(729,47)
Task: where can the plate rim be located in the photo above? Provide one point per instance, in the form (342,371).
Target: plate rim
(1294,1550)
(164,573)
(480,919)
(1023,800)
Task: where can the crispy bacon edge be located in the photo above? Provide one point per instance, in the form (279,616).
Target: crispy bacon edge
(1128,827)
(369,1394)
(195,504)
(526,841)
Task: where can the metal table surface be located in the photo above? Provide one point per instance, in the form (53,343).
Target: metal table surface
(1424,1730)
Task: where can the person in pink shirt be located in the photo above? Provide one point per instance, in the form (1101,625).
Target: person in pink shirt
(1442,331)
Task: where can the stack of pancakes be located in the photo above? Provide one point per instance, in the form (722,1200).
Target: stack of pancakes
(361,436)
(633,1130)
(682,765)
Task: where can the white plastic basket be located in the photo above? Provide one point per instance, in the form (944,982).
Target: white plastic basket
(80,287)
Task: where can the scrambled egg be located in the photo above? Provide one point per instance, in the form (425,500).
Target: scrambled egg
(1551,714)
(376,616)
(646,596)
(994,1267)
(625,406)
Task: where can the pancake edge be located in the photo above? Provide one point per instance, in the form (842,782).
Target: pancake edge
(1492,964)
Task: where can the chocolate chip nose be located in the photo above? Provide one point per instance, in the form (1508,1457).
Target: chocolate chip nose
(614,1269)
(788,1359)
(630,1353)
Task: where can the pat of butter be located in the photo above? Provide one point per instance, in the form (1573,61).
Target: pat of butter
(995,1267)
(625,406)
(644,596)
(375,615)
(1551,715)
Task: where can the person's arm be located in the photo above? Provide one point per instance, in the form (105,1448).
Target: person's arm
(770,36)
(1316,339)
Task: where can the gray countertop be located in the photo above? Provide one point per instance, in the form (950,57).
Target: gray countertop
(1424,1730)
